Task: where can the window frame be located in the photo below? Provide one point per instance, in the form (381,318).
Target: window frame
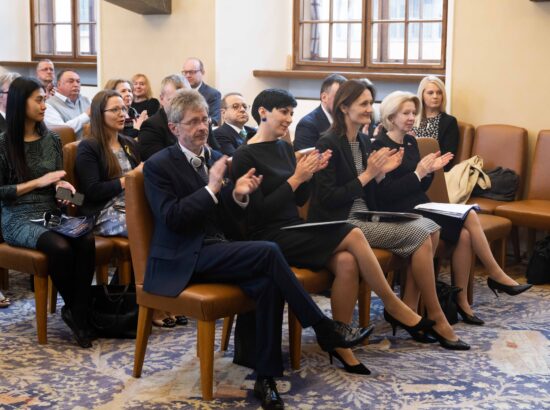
(75,55)
(365,64)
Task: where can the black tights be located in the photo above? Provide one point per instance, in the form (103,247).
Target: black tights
(71,263)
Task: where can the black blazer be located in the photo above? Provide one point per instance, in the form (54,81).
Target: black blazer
(310,128)
(180,205)
(401,190)
(214,99)
(336,187)
(229,139)
(91,173)
(447,135)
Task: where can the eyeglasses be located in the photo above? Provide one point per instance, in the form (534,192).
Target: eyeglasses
(117,110)
(51,220)
(238,106)
(189,72)
(3,92)
(195,122)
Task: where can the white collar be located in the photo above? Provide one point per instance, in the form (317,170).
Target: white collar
(189,154)
(64,98)
(197,87)
(235,128)
(327,114)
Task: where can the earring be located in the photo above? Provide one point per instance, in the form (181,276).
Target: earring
(264,119)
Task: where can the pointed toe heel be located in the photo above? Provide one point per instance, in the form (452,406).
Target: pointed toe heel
(511,290)
(353,369)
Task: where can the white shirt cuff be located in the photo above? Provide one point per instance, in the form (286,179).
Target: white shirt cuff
(212,194)
(418,176)
(241,204)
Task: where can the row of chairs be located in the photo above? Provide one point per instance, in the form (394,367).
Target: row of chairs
(507,146)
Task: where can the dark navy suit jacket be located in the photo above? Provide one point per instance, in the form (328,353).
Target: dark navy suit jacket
(310,128)
(229,139)
(214,99)
(180,205)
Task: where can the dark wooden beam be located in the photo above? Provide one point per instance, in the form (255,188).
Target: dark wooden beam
(146,7)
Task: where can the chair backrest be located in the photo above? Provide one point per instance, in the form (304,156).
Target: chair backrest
(65,132)
(539,187)
(139,220)
(466,134)
(69,161)
(438,189)
(504,146)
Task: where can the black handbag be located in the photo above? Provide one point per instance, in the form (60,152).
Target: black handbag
(114,311)
(447,299)
(538,269)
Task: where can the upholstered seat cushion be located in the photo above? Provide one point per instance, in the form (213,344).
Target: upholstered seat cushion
(533,213)
(495,227)
(486,205)
(203,301)
(313,281)
(122,247)
(23,259)
(103,250)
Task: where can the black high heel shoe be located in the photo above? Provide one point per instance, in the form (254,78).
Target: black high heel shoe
(511,290)
(469,319)
(418,332)
(450,344)
(355,369)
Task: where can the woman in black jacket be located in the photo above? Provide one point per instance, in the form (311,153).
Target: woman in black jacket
(433,121)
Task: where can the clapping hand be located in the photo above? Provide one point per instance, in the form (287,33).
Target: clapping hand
(393,160)
(307,165)
(323,160)
(247,184)
(216,174)
(441,160)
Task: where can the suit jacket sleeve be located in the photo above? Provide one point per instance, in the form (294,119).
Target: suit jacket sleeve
(306,135)
(330,193)
(151,139)
(224,140)
(448,139)
(214,101)
(89,168)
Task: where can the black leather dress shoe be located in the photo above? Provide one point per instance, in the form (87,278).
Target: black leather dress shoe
(332,334)
(450,344)
(511,290)
(469,319)
(181,320)
(82,336)
(265,389)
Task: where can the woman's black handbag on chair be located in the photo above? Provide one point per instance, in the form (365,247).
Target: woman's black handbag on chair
(114,311)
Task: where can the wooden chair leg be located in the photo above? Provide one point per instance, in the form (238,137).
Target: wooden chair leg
(226,332)
(4,279)
(41,303)
(143,329)
(294,340)
(364,306)
(124,272)
(102,274)
(515,243)
(206,348)
(500,250)
(52,295)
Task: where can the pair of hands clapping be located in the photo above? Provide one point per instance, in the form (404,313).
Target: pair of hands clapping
(432,162)
(244,186)
(380,163)
(311,163)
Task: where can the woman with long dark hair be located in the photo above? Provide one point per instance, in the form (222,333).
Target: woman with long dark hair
(348,186)
(31,170)
(342,248)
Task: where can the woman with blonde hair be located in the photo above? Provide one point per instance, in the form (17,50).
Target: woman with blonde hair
(405,187)
(143,96)
(433,121)
(132,119)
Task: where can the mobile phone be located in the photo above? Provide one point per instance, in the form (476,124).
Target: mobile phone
(66,195)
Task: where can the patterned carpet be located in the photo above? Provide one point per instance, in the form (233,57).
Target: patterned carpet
(507,368)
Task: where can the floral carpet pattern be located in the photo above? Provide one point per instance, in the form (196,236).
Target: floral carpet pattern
(508,366)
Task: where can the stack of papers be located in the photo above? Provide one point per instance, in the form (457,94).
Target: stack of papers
(453,210)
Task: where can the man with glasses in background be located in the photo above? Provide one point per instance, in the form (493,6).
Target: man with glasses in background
(193,70)
(233,132)
(45,72)
(67,106)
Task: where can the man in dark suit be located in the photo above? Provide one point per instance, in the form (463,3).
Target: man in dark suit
(311,126)
(154,133)
(233,132)
(193,69)
(189,199)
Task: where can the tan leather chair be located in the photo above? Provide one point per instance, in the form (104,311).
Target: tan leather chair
(121,246)
(204,302)
(534,211)
(496,228)
(504,146)
(465,141)
(66,133)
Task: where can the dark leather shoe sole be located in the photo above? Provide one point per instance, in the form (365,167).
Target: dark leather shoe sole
(79,334)
(269,396)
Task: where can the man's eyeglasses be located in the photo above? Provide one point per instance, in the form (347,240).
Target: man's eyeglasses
(238,106)
(117,110)
(195,122)
(190,72)
(3,92)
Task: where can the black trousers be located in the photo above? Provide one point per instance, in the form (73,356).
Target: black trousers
(261,271)
(71,264)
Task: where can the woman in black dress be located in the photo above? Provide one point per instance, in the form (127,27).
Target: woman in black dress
(405,187)
(347,187)
(143,96)
(341,248)
(31,170)
(433,121)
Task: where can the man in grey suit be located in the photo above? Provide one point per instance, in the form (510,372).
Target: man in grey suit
(193,70)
